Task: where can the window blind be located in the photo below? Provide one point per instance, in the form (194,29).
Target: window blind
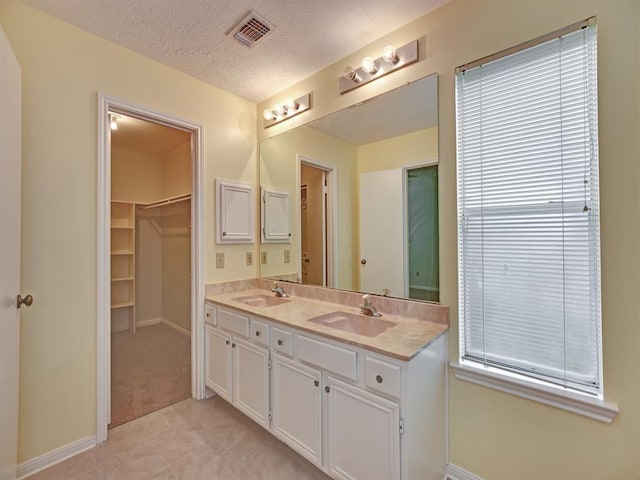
(528,212)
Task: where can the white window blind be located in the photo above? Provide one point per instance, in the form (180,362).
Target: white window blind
(528,215)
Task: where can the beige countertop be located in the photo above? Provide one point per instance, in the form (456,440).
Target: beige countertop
(402,341)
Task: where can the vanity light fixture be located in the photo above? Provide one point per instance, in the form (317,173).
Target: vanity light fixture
(113,121)
(283,111)
(392,59)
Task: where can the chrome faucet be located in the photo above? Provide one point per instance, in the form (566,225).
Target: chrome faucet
(278,290)
(367,307)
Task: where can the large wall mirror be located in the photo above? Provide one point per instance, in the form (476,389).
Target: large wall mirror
(362,190)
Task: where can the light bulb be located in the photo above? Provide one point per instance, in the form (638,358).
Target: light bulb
(280,110)
(268,114)
(113,122)
(351,74)
(369,65)
(389,54)
(291,104)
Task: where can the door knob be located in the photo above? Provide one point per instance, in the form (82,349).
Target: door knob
(363,261)
(28,300)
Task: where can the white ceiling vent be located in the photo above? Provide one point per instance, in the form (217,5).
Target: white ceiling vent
(251,30)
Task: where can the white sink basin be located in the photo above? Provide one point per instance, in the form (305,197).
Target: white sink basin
(260,300)
(354,323)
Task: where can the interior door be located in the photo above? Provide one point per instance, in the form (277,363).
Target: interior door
(10,128)
(382,232)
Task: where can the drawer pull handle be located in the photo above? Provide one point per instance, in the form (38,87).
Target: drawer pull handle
(316,383)
(233,345)
(227,342)
(378,379)
(257,333)
(208,314)
(327,389)
(280,342)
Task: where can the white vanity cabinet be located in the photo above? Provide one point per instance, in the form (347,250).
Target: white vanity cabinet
(356,414)
(297,407)
(363,434)
(237,369)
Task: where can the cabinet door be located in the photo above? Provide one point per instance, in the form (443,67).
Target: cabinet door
(363,434)
(251,380)
(218,361)
(297,407)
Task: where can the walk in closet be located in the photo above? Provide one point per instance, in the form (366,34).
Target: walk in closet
(151,178)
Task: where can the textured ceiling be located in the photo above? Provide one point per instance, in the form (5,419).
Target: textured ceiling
(400,111)
(189,35)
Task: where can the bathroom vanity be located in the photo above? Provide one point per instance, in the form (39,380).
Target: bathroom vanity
(358,396)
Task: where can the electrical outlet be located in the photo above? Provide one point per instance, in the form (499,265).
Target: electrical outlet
(263,258)
(219,260)
(249,258)
(287,256)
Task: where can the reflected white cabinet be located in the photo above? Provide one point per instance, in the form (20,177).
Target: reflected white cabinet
(356,417)
(276,216)
(251,380)
(218,361)
(297,407)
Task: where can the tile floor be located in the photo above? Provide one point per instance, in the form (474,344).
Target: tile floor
(191,440)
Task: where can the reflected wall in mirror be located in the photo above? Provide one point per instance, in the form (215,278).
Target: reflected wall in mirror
(363,184)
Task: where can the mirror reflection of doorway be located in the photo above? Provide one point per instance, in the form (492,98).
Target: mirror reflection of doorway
(422,233)
(314,226)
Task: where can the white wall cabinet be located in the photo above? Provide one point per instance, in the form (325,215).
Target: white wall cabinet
(234,208)
(297,407)
(342,407)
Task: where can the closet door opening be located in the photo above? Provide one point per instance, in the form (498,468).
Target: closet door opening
(150,274)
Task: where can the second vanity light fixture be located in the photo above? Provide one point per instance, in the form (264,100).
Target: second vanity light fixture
(283,111)
(392,59)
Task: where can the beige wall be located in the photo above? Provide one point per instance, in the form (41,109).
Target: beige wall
(278,169)
(493,434)
(401,151)
(63,68)
(135,176)
(176,171)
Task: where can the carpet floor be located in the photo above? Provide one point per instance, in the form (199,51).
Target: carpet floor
(150,370)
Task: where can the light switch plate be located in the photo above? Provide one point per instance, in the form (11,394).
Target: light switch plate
(219,260)
(263,258)
(287,256)
(249,258)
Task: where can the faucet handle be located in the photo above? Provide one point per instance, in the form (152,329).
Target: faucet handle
(365,300)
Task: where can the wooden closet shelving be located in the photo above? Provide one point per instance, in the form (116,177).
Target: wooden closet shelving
(123,246)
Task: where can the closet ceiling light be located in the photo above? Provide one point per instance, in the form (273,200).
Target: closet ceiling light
(391,60)
(113,120)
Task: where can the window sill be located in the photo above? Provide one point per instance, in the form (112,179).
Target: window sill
(537,391)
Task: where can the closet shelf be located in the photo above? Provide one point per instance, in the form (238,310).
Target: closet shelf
(122,279)
(128,303)
(121,252)
(167,201)
(118,227)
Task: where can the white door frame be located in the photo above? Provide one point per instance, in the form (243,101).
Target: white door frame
(103,332)
(332,216)
(405,215)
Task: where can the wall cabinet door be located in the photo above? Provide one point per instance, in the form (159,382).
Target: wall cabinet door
(251,380)
(363,434)
(297,407)
(218,361)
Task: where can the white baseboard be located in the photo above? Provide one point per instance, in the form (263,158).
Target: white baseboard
(184,331)
(55,456)
(457,473)
(148,322)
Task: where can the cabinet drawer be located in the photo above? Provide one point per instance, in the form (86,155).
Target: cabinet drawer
(329,357)
(234,322)
(260,332)
(382,376)
(210,315)
(282,341)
